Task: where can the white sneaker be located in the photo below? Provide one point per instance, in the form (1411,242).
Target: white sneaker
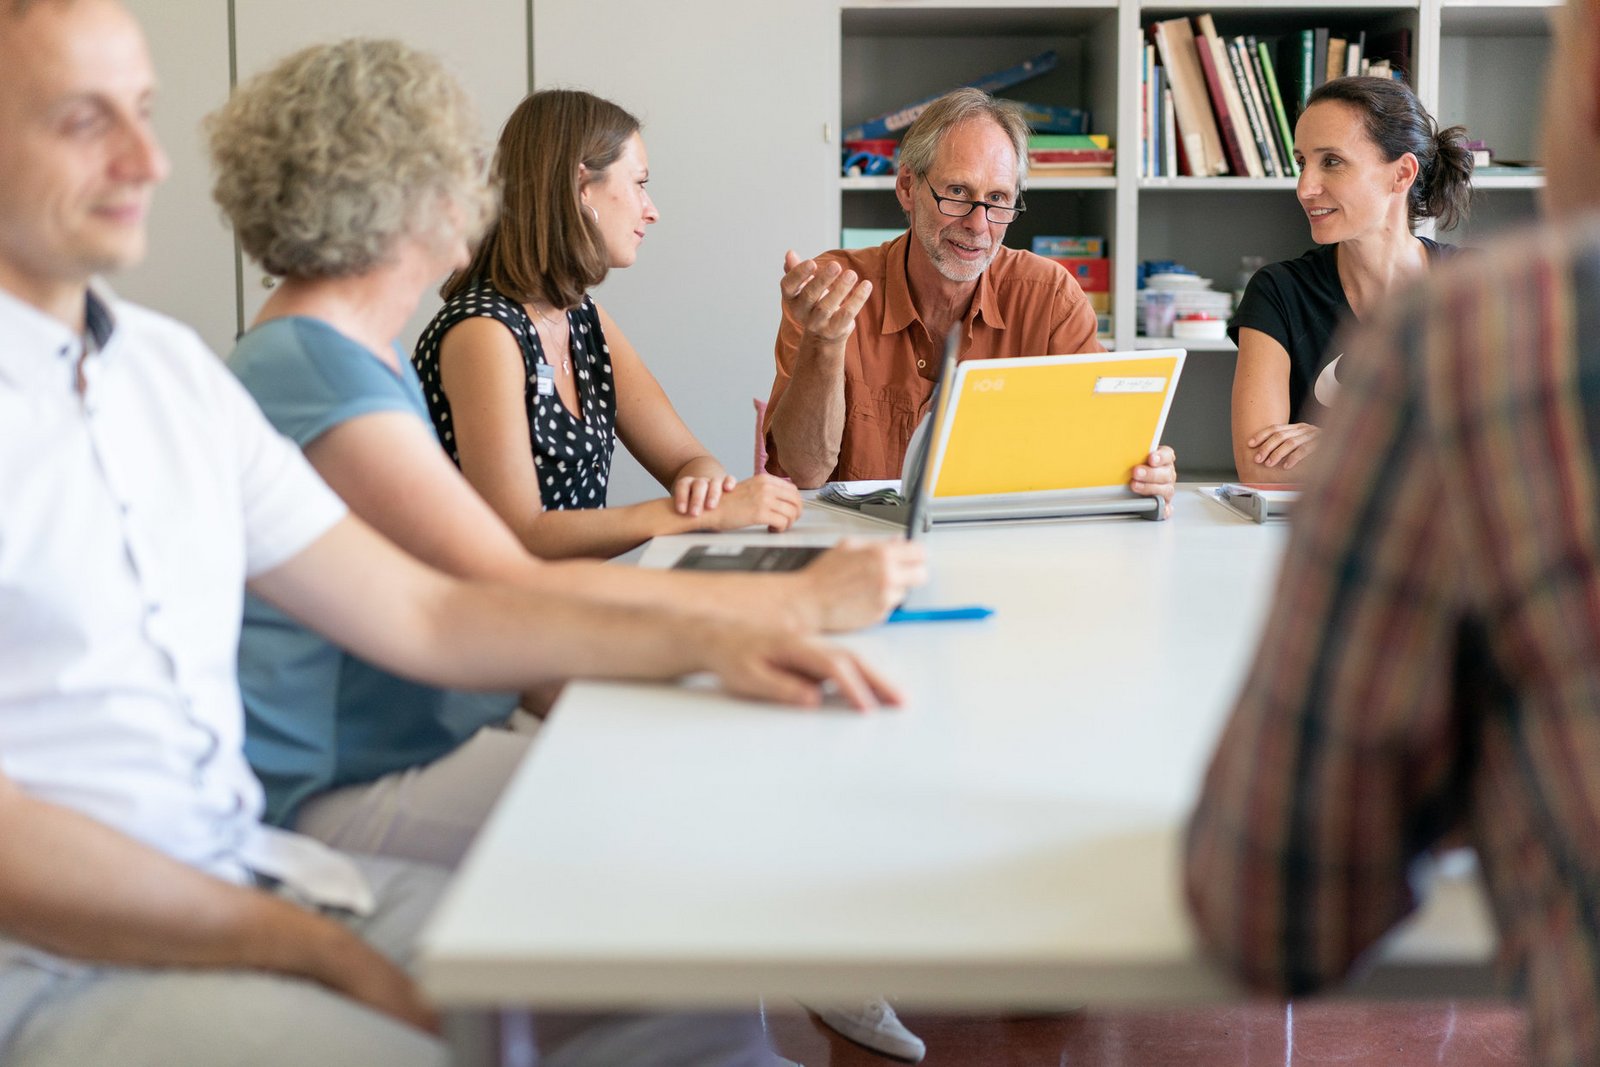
(875,1025)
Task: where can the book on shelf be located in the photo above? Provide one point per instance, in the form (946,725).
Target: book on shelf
(1049,118)
(1279,113)
(1068,142)
(1074,156)
(1393,47)
(1202,143)
(1253,117)
(1354,54)
(1294,59)
(1038,156)
(1149,110)
(1169,132)
(1319,58)
(894,121)
(1092,274)
(1072,170)
(1336,51)
(1068,247)
(1281,153)
(1226,100)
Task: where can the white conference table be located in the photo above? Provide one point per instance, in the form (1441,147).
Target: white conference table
(1008,839)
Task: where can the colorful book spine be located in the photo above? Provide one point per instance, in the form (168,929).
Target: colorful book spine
(1169,133)
(1077,247)
(1279,113)
(1258,83)
(1242,74)
(1233,98)
(1202,144)
(1219,107)
(1048,118)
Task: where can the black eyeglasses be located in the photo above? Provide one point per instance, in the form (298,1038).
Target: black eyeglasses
(957,208)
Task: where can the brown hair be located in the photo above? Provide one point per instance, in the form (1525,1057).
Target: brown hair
(1397,123)
(543,245)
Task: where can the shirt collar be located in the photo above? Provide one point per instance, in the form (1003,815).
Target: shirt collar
(32,342)
(898,309)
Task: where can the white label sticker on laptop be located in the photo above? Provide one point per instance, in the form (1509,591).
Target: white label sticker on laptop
(723,550)
(1130,385)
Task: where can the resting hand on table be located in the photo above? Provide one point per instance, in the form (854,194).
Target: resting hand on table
(1285,446)
(788,669)
(859,582)
(693,493)
(1157,477)
(729,504)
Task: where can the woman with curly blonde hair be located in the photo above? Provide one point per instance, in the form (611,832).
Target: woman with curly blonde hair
(353,170)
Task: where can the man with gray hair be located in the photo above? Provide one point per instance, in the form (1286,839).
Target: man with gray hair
(858,348)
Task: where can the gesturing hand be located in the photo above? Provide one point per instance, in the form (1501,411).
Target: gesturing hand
(823,298)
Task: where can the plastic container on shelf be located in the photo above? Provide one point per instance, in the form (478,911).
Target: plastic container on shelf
(1160,309)
(1199,326)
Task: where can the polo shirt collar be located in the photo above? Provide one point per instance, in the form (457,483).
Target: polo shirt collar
(32,342)
(898,310)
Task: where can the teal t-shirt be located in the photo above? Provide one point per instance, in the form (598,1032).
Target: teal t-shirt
(317,718)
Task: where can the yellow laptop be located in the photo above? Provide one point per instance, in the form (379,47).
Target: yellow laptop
(1049,436)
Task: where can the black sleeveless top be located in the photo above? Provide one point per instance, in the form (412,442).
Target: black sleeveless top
(571,454)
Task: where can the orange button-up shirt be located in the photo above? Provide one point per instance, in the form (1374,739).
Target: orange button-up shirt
(1025,305)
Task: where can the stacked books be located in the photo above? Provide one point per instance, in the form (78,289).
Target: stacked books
(1214,105)
(1085,259)
(1071,156)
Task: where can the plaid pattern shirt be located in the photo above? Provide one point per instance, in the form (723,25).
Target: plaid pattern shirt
(1432,661)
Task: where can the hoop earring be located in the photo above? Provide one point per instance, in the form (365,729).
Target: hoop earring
(593,214)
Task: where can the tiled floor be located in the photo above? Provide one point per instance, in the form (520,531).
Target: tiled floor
(1305,1034)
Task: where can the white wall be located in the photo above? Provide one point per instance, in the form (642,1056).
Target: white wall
(192,271)
(189,271)
(734,98)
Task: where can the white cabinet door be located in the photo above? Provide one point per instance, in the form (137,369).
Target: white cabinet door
(484,42)
(735,99)
(189,271)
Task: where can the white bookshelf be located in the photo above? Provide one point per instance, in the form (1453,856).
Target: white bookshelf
(1476,63)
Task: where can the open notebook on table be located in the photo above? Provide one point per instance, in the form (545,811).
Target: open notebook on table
(1036,437)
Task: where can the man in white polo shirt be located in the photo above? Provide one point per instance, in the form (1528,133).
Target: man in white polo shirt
(146,916)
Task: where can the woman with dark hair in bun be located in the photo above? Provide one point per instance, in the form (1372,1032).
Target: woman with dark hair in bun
(1373,163)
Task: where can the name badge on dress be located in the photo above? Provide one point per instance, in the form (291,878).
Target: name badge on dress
(546,383)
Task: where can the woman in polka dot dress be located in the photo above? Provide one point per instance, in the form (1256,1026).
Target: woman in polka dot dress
(520,355)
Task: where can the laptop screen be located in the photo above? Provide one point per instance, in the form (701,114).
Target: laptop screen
(920,474)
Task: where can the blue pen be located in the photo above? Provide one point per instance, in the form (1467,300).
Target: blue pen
(939,614)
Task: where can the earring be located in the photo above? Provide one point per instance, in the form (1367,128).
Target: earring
(593,214)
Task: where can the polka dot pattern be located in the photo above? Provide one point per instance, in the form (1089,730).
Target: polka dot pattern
(571,453)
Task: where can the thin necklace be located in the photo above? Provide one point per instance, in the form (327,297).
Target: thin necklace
(566,360)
